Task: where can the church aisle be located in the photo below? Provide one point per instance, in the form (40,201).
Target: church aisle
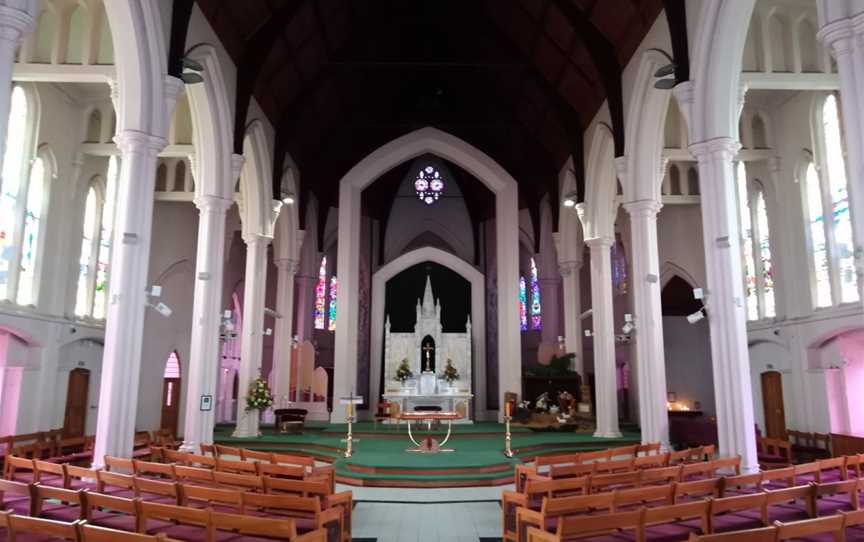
(418,522)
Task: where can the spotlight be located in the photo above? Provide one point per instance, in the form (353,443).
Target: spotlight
(696,316)
(288,198)
(155,291)
(193,65)
(663,71)
(664,84)
(589,333)
(191,78)
(698,293)
(569,201)
(627,328)
(268,332)
(163,309)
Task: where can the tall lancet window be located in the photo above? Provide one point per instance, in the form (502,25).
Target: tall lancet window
(321,295)
(88,242)
(766,271)
(523,304)
(536,317)
(334,291)
(832,246)
(14,160)
(747,262)
(106,231)
(31,237)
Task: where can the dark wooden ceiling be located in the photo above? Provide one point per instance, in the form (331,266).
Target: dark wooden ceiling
(519,79)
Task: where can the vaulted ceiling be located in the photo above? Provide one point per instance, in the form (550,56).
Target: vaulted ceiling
(519,79)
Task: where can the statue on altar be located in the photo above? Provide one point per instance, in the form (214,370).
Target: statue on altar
(429,353)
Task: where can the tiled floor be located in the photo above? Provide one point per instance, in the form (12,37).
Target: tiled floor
(427,515)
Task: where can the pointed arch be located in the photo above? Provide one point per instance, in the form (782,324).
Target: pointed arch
(598,216)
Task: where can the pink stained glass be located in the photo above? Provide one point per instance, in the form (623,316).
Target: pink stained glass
(334,291)
(523,304)
(321,295)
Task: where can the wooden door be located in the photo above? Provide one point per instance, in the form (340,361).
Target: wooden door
(772,403)
(170,404)
(75,420)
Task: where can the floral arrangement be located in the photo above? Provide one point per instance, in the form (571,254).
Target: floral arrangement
(403,372)
(260,397)
(450,372)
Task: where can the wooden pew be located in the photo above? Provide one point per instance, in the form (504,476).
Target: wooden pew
(832,525)
(570,527)
(25,525)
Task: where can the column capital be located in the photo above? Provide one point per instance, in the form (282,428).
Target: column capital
(287,264)
(254,238)
(838,36)
(569,267)
(14,23)
(722,148)
(645,207)
(600,242)
(133,141)
(237,161)
(208,202)
(621,166)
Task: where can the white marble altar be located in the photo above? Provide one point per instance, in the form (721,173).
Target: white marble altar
(428,388)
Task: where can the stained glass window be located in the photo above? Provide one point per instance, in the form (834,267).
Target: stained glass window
(88,238)
(334,291)
(747,259)
(523,304)
(10,184)
(619,267)
(429,185)
(30,246)
(321,295)
(536,317)
(766,267)
(103,258)
(843,248)
(818,244)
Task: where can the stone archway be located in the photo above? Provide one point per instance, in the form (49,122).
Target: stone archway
(478,318)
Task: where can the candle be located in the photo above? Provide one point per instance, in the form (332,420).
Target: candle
(507,408)
(350,408)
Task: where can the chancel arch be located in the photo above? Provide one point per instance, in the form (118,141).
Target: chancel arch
(490,173)
(478,317)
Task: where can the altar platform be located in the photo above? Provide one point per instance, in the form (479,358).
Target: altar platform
(380,458)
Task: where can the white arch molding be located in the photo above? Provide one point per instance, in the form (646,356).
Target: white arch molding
(432,141)
(478,318)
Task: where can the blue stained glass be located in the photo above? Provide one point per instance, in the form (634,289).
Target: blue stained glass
(523,304)
(536,317)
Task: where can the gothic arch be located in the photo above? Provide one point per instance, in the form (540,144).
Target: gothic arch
(598,211)
(478,317)
(489,172)
(255,186)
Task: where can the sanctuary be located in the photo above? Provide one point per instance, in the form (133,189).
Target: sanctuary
(427,352)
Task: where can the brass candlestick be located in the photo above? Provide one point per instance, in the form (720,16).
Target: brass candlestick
(349,450)
(507,450)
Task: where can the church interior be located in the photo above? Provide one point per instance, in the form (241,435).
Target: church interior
(462,270)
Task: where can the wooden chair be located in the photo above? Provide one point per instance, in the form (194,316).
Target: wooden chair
(764,534)
(106,482)
(70,506)
(47,473)
(282,529)
(790,497)
(651,496)
(662,475)
(570,527)
(253,455)
(194,475)
(14,464)
(181,516)
(532,498)
(154,470)
(327,519)
(225,500)
(676,513)
(110,511)
(697,489)
(733,506)
(832,525)
(741,484)
(237,467)
(147,489)
(25,525)
(93,533)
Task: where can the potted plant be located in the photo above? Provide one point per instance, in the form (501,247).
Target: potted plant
(450,374)
(403,372)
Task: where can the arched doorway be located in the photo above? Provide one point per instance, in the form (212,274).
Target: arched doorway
(75,418)
(171,394)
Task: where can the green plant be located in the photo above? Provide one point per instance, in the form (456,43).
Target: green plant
(260,397)
(403,372)
(450,373)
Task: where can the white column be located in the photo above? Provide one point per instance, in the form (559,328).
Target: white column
(305,302)
(725,301)
(648,315)
(124,331)
(14,24)
(605,374)
(282,341)
(845,39)
(203,367)
(253,330)
(572,293)
(507,269)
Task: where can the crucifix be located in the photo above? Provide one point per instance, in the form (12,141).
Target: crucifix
(428,349)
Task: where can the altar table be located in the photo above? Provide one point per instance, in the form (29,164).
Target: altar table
(430,444)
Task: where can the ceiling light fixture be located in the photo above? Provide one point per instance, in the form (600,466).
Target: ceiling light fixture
(569,200)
